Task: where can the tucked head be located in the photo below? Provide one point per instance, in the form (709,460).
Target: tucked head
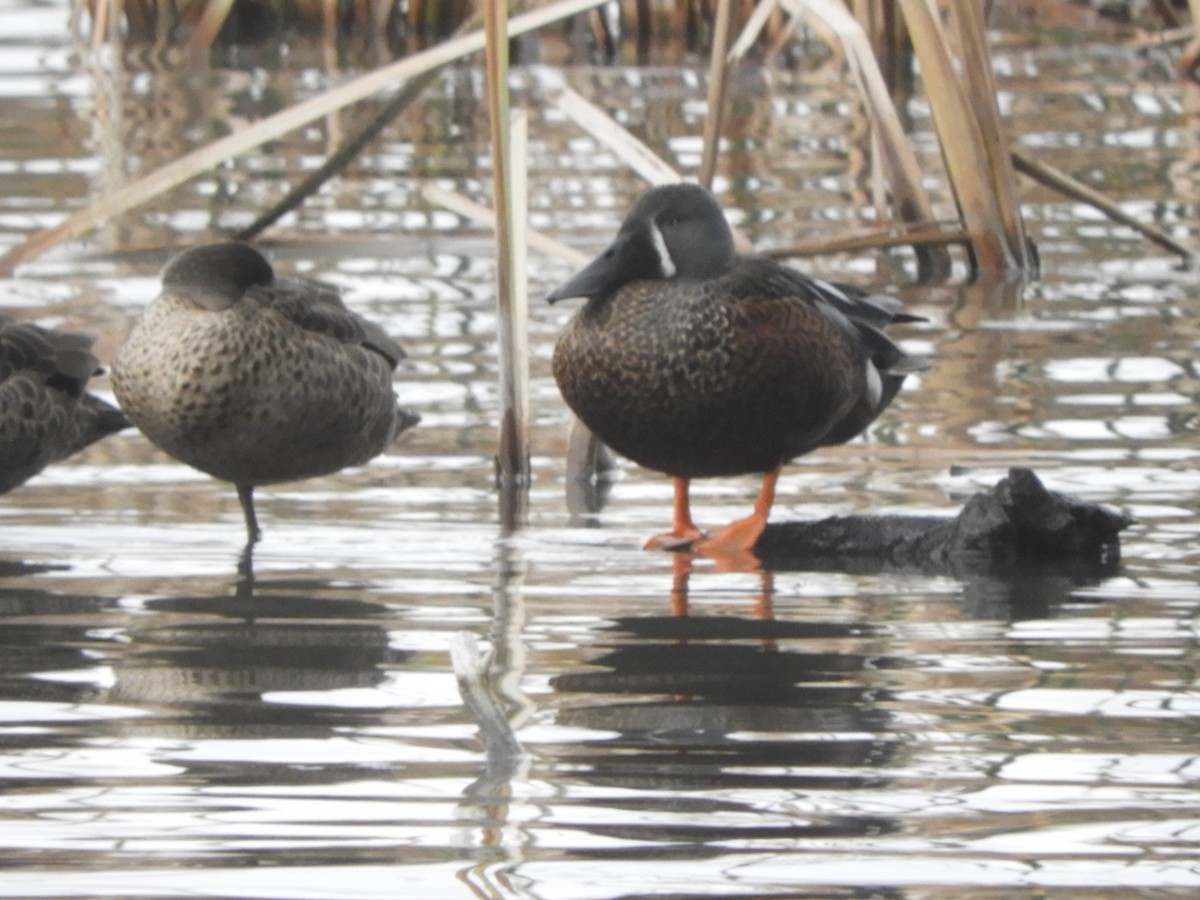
(215,276)
(675,231)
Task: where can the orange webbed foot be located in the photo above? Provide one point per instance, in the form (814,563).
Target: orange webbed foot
(681,539)
(683,533)
(736,538)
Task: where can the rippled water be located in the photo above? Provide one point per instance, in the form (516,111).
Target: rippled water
(173,725)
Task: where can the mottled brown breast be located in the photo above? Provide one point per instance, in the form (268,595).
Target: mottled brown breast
(719,378)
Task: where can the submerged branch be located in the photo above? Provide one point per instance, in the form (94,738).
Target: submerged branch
(504,750)
(1016,526)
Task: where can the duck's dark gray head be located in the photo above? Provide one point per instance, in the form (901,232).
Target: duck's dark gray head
(215,276)
(675,231)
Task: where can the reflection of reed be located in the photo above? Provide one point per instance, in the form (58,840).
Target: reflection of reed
(491,689)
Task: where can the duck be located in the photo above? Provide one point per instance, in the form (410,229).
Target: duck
(46,412)
(696,360)
(255,379)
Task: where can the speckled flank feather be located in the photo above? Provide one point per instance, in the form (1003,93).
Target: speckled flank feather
(255,380)
(692,381)
(45,412)
(731,371)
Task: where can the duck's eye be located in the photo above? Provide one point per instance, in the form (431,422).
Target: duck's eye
(671,222)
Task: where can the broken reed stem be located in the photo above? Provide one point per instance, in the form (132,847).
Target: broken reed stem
(483,215)
(511,302)
(717,72)
(350,149)
(627,148)
(1063,183)
(931,235)
(342,158)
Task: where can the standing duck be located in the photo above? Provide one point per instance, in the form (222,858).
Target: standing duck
(257,380)
(697,361)
(46,413)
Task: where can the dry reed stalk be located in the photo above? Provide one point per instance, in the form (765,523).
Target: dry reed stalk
(101,15)
(208,26)
(909,198)
(967,122)
(198,161)
(885,30)
(1189,59)
(346,152)
(1063,183)
(717,72)
(752,29)
(512,305)
(484,216)
(349,149)
(931,234)
(631,151)
(971,27)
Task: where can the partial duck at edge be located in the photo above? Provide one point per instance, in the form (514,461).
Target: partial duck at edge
(46,413)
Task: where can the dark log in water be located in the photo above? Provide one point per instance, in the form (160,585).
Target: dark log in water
(1017,526)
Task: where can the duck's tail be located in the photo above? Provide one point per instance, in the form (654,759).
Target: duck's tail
(405,419)
(96,419)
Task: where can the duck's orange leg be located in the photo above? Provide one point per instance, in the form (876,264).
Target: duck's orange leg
(684,533)
(741,536)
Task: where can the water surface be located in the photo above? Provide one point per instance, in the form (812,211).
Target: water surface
(171,725)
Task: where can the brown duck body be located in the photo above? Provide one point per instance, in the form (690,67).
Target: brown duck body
(247,395)
(727,376)
(693,360)
(46,413)
(255,380)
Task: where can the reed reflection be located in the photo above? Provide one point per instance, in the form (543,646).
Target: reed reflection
(490,685)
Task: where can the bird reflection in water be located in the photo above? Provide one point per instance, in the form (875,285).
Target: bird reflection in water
(684,566)
(227,663)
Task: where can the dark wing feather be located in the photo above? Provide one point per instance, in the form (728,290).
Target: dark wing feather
(861,317)
(856,304)
(59,360)
(320,309)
